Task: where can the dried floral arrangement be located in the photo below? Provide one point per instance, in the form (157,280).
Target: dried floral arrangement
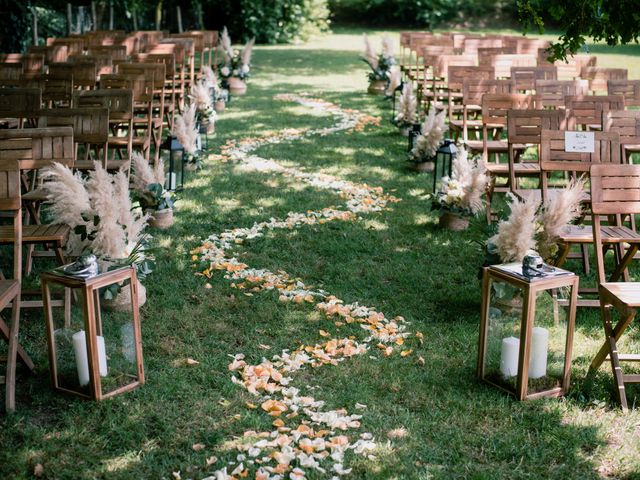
(427,143)
(395,80)
(201,97)
(102,219)
(186,131)
(534,227)
(381,64)
(462,193)
(407,107)
(234,63)
(147,184)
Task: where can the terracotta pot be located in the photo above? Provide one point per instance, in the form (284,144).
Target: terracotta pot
(423,166)
(161,219)
(453,222)
(377,87)
(219,106)
(237,86)
(122,301)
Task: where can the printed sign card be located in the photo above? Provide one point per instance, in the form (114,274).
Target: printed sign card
(580,142)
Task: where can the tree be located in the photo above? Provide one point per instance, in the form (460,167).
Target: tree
(615,21)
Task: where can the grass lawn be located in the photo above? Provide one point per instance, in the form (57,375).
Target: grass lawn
(443,423)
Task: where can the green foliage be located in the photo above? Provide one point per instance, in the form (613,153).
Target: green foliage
(417,13)
(614,22)
(155,197)
(15,26)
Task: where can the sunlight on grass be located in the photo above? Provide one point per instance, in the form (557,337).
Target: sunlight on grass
(375,225)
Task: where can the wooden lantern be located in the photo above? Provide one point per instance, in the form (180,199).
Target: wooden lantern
(525,337)
(96,353)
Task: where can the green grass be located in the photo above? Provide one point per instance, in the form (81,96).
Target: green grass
(397,262)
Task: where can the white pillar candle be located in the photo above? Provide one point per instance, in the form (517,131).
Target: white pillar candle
(538,355)
(170,180)
(82,362)
(509,356)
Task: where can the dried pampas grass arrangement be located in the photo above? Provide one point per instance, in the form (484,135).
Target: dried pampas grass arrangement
(516,234)
(369,55)
(388,49)
(209,77)
(395,79)
(184,129)
(245,56)
(430,139)
(225,43)
(559,210)
(77,202)
(142,174)
(407,106)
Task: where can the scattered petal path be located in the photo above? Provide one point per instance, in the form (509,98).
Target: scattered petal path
(305,435)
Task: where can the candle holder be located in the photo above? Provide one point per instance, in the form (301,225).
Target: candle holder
(95,353)
(525,337)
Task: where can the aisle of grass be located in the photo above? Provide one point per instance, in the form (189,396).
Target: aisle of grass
(397,262)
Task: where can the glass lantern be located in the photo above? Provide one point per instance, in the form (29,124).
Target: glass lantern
(173,155)
(444,158)
(414,132)
(526,331)
(96,351)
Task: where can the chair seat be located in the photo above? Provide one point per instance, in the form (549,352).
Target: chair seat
(610,234)
(9,289)
(626,293)
(112,164)
(536,193)
(38,195)
(37,234)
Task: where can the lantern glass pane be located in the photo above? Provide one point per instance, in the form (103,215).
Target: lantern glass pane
(177,157)
(503,334)
(69,340)
(548,340)
(119,339)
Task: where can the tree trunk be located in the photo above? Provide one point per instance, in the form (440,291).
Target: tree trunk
(197,7)
(69,19)
(158,14)
(134,14)
(94,17)
(34,27)
(179,16)
(111,15)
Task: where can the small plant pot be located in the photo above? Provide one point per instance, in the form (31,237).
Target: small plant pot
(122,301)
(423,166)
(450,221)
(237,86)
(220,106)
(161,219)
(377,87)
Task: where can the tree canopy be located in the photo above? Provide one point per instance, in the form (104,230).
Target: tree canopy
(616,22)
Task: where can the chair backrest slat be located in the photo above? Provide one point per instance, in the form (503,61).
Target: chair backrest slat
(37,148)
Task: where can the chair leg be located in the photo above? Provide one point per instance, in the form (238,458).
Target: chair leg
(10,400)
(584,248)
(614,357)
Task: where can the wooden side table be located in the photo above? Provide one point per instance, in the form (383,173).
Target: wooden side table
(524,348)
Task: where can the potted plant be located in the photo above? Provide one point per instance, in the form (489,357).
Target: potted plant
(380,65)
(218,95)
(406,117)
(148,187)
(428,141)
(460,196)
(103,222)
(236,65)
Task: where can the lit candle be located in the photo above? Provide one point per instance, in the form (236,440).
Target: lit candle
(509,356)
(82,362)
(538,356)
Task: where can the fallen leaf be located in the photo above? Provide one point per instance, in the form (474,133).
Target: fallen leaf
(224,402)
(420,337)
(207,286)
(198,446)
(211,460)
(278,422)
(400,341)
(176,475)
(397,433)
(251,405)
(324,334)
(38,470)
(191,361)
(420,361)
(406,353)
(264,347)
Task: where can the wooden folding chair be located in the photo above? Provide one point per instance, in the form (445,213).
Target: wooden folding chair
(524,129)
(571,68)
(598,77)
(10,288)
(615,191)
(502,63)
(472,93)
(552,93)
(439,88)
(171,91)
(625,123)
(585,112)
(84,74)
(554,160)
(629,89)
(90,132)
(57,89)
(31,62)
(455,87)
(494,120)
(119,103)
(524,78)
(19,105)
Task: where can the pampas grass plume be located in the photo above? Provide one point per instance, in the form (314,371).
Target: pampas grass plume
(516,234)
(395,78)
(369,55)
(246,52)
(408,104)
